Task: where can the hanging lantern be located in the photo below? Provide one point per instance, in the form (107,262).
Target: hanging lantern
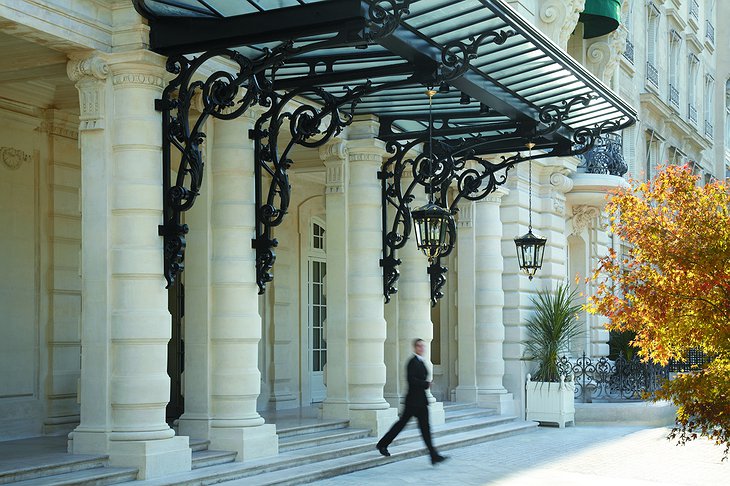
(431,225)
(530,252)
(530,248)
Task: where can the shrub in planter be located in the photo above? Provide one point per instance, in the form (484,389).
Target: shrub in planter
(551,327)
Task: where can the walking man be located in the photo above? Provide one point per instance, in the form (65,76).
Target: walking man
(416,405)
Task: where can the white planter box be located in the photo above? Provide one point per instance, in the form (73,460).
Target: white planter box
(550,402)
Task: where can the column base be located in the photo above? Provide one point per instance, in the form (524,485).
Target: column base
(436,414)
(191,426)
(503,403)
(378,421)
(249,442)
(466,394)
(153,458)
(333,409)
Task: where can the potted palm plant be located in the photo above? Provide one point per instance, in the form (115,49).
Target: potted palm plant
(551,327)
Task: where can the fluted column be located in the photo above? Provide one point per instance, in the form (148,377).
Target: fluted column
(334,156)
(366,321)
(235,327)
(414,310)
(489,305)
(125,320)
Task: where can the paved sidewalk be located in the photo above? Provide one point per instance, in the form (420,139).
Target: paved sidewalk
(574,456)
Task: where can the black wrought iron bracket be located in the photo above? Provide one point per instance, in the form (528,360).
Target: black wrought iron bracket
(191,98)
(461,164)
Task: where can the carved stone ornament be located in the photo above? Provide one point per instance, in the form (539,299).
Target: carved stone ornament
(335,176)
(93,67)
(561,182)
(561,17)
(13,158)
(604,55)
(89,75)
(583,217)
(465,216)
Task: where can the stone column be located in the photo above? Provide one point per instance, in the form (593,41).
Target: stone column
(235,323)
(125,322)
(489,304)
(466,391)
(334,156)
(366,325)
(414,310)
(195,421)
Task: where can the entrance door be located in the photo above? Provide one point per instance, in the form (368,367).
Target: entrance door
(317,313)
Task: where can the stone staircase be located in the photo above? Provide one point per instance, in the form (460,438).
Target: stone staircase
(73,469)
(312,452)
(306,453)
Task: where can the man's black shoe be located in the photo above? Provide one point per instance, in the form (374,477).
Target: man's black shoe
(436,459)
(383,450)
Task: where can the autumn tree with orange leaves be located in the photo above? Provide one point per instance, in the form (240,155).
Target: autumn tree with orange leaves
(673,290)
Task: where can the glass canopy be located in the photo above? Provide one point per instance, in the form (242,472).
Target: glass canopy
(514,72)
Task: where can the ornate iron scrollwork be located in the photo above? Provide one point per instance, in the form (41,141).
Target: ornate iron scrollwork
(311,124)
(455,56)
(458,164)
(226,95)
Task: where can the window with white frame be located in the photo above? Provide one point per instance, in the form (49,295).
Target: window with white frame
(627,22)
(317,272)
(652,31)
(675,46)
(727,116)
(708,103)
(652,153)
(692,80)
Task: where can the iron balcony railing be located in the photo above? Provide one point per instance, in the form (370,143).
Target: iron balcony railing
(629,51)
(604,379)
(673,96)
(693,361)
(692,113)
(694,10)
(606,156)
(708,128)
(652,75)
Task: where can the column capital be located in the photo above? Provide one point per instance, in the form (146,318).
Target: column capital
(92,68)
(90,75)
(365,150)
(561,182)
(336,149)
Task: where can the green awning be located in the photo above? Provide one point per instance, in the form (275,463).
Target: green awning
(600,17)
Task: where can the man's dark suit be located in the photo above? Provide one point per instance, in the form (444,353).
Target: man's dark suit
(416,406)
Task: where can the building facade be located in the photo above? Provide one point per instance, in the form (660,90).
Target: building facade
(93,344)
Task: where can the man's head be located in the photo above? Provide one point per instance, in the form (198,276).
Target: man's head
(419,346)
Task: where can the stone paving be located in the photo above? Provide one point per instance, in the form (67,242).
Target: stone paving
(574,456)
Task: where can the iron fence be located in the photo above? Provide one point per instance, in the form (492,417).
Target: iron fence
(693,361)
(604,379)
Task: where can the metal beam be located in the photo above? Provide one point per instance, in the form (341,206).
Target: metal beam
(186,35)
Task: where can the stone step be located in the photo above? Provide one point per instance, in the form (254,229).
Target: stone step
(319,438)
(198,444)
(338,466)
(312,428)
(469,413)
(334,456)
(207,458)
(67,464)
(99,476)
(453,406)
